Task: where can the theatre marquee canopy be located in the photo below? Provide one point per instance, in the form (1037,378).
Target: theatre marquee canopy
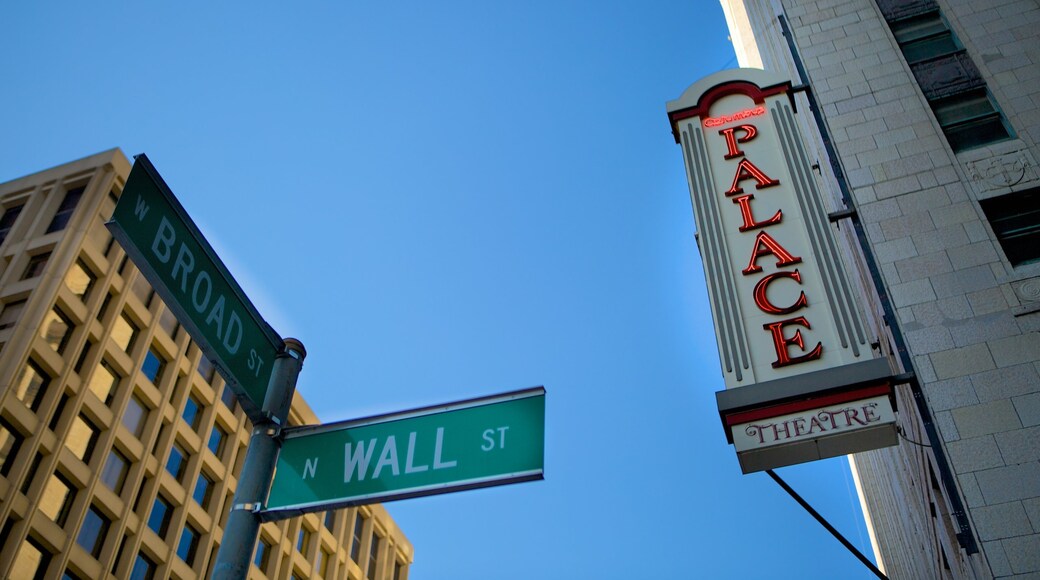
(801,379)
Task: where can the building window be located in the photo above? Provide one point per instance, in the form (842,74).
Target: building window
(205,369)
(398,570)
(124,333)
(116,468)
(203,490)
(159,518)
(57,497)
(228,397)
(7,220)
(303,540)
(262,555)
(192,413)
(373,556)
(177,463)
(32,385)
(31,561)
(82,438)
(144,568)
(355,544)
(956,91)
(10,443)
(64,213)
(143,290)
(10,314)
(330,520)
(188,544)
(104,381)
(324,557)
(36,265)
(168,322)
(153,366)
(80,280)
(1015,219)
(56,330)
(216,440)
(970,119)
(93,531)
(135,417)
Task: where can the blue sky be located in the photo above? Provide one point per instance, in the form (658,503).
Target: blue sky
(447,200)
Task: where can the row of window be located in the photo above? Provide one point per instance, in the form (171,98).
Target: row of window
(965,109)
(61,216)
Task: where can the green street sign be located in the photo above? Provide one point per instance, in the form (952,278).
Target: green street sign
(466,445)
(177,260)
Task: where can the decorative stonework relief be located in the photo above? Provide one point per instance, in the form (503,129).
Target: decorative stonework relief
(1002,173)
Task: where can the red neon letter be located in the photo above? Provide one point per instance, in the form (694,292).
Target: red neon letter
(749,220)
(747,170)
(762,301)
(731,140)
(781,342)
(765,244)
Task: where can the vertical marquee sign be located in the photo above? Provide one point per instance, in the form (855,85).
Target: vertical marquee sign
(801,380)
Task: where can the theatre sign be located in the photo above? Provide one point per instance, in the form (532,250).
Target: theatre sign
(801,379)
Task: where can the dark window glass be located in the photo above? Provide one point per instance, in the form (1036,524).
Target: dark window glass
(203,490)
(355,544)
(192,413)
(373,556)
(262,555)
(32,385)
(153,366)
(64,213)
(924,37)
(398,570)
(82,438)
(227,396)
(188,544)
(57,498)
(177,463)
(10,443)
(114,473)
(1015,219)
(970,119)
(303,539)
(93,531)
(83,354)
(7,220)
(159,519)
(330,520)
(56,330)
(10,314)
(144,568)
(216,440)
(34,467)
(36,265)
(80,280)
(135,417)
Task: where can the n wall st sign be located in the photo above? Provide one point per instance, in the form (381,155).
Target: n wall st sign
(801,380)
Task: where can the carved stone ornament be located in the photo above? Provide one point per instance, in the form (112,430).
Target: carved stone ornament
(948,75)
(1002,172)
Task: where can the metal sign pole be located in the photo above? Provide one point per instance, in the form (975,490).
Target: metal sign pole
(243,525)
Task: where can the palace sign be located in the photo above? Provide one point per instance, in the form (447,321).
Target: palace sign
(785,313)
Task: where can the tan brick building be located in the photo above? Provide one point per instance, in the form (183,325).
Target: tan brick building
(933,110)
(119,444)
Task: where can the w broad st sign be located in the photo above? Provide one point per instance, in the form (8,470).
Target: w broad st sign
(470,444)
(177,260)
(801,379)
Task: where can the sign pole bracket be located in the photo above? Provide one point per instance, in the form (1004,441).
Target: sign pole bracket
(243,524)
